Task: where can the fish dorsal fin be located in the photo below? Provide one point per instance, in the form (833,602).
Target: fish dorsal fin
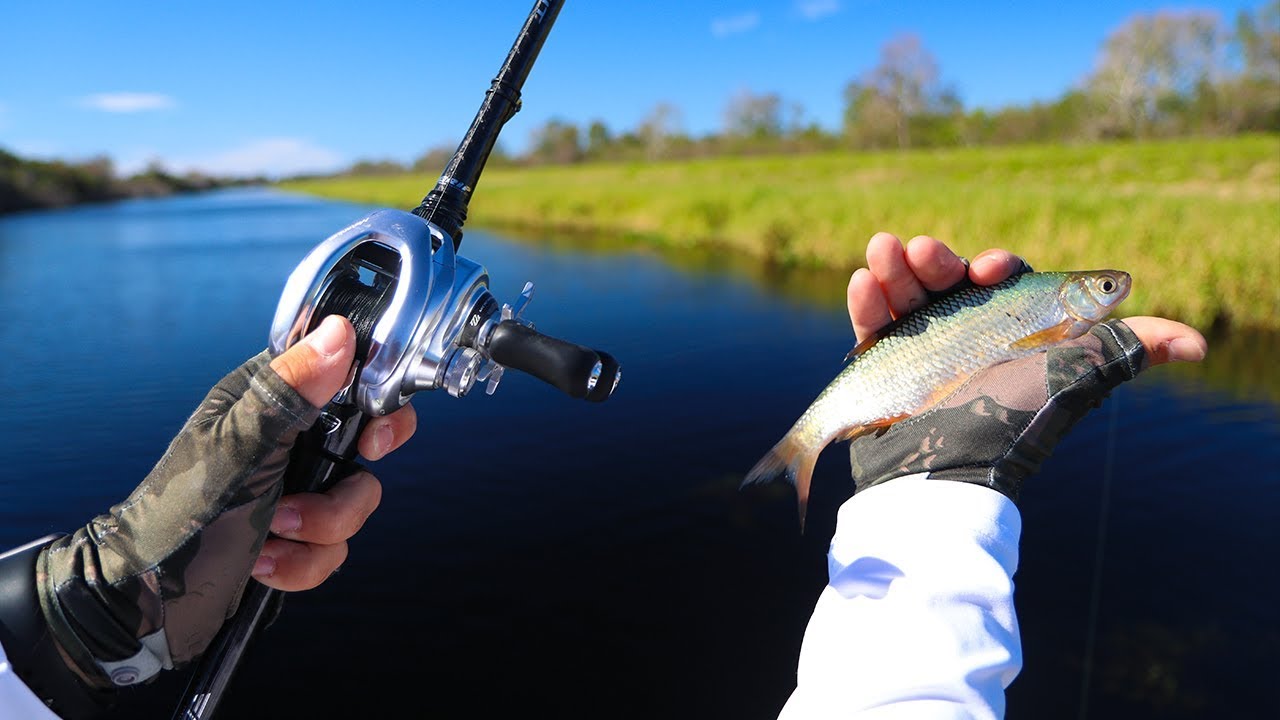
(1048,336)
(874,338)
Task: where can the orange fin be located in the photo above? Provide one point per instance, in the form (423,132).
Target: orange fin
(793,459)
(1048,336)
(879,427)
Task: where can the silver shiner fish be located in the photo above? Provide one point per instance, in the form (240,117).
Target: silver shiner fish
(910,366)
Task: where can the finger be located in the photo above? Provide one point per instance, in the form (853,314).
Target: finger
(886,260)
(384,434)
(992,266)
(331,516)
(1168,340)
(292,566)
(318,366)
(934,264)
(868,308)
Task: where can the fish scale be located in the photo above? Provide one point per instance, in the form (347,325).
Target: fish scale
(913,364)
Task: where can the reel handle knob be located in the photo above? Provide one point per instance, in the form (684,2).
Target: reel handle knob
(577,371)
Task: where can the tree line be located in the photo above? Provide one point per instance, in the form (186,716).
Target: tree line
(1164,74)
(30,184)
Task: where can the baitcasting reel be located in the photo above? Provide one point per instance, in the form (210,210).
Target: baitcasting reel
(424,320)
(424,317)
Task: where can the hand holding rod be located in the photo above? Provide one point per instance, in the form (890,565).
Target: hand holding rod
(321,456)
(417,320)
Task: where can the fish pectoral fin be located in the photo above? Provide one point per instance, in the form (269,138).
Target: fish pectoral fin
(1048,336)
(879,427)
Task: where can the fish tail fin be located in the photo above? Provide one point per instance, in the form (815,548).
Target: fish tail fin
(792,459)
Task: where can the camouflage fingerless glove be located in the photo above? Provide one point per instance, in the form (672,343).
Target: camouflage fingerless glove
(999,427)
(148,585)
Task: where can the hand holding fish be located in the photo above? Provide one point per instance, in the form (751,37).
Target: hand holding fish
(998,428)
(977,383)
(967,382)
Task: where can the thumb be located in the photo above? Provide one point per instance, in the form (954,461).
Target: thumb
(317,367)
(1167,340)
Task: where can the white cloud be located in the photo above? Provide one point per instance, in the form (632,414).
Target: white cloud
(127,102)
(734,24)
(273,157)
(817,9)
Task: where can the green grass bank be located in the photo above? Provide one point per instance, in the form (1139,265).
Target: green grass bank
(1196,221)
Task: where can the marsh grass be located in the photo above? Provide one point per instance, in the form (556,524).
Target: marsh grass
(1196,221)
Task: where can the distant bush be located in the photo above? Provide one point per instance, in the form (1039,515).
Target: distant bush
(31,184)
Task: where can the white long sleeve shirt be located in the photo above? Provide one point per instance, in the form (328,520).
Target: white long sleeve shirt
(916,620)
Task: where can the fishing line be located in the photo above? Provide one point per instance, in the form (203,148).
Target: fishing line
(1095,593)
(360,303)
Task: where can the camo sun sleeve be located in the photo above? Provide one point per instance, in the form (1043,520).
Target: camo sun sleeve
(147,585)
(998,428)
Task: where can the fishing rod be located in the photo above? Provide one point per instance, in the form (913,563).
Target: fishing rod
(424,319)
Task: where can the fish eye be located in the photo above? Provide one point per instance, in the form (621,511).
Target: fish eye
(1107,285)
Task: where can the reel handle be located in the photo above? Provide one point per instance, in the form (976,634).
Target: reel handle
(577,371)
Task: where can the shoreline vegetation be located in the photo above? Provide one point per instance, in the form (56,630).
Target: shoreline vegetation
(1195,220)
(42,184)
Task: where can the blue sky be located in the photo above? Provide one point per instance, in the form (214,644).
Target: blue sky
(248,87)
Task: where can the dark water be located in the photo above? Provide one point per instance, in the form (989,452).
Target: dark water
(536,555)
